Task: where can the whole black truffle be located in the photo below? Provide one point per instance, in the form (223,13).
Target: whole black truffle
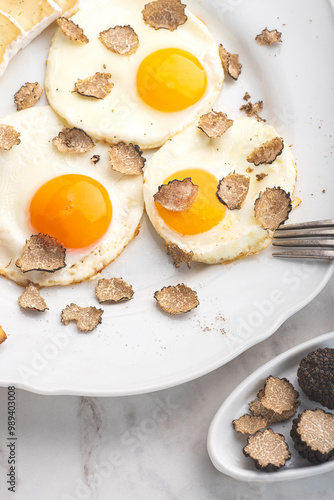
(316,376)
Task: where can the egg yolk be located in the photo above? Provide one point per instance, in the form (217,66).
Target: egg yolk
(205,212)
(171,80)
(75,209)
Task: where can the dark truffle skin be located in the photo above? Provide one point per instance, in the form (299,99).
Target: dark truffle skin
(304,450)
(316,376)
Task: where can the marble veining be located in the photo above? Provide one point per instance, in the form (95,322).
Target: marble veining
(91,432)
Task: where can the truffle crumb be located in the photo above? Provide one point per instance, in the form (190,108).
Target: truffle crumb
(121,39)
(246,97)
(267,37)
(260,177)
(230,62)
(272,208)
(3,335)
(42,253)
(214,124)
(113,290)
(72,30)
(248,424)
(73,140)
(313,435)
(268,450)
(97,86)
(167,14)
(176,299)
(27,95)
(232,190)
(179,255)
(32,299)
(316,376)
(8,137)
(253,109)
(95,159)
(86,318)
(126,159)
(177,196)
(267,152)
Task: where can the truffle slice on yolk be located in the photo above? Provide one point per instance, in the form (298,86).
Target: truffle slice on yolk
(205,212)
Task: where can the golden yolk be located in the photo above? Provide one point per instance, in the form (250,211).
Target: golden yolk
(205,212)
(75,209)
(171,80)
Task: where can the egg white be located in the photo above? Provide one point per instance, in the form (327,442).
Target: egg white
(122,115)
(238,234)
(33,162)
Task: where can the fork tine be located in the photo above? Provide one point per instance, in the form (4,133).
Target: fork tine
(317,235)
(305,253)
(307,225)
(304,243)
(304,232)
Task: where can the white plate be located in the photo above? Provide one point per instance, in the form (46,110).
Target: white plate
(225,445)
(137,348)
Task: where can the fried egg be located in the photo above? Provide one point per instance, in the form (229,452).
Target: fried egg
(171,79)
(208,228)
(94,211)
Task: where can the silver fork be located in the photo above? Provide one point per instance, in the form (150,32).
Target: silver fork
(310,240)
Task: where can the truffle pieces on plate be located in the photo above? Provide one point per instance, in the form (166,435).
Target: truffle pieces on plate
(86,318)
(214,124)
(31,299)
(177,195)
(9,137)
(179,255)
(167,14)
(127,159)
(97,86)
(113,290)
(267,37)
(121,40)
(27,95)
(232,190)
(42,253)
(73,140)
(230,62)
(176,299)
(272,208)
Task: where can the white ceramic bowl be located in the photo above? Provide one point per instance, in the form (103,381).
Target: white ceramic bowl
(225,445)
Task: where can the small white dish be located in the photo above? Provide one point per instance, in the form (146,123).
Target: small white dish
(225,445)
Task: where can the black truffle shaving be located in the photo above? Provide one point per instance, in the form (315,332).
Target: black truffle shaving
(312,430)
(316,376)
(268,450)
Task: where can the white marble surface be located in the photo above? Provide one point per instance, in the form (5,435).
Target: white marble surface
(150,446)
